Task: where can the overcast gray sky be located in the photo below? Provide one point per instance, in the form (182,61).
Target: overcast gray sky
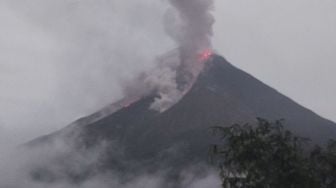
(289,44)
(63,59)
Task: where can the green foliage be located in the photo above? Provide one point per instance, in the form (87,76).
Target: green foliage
(268,156)
(324,162)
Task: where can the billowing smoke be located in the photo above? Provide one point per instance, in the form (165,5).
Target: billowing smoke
(189,24)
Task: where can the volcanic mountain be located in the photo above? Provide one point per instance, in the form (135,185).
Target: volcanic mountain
(222,95)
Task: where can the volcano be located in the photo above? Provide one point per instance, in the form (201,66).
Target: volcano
(140,138)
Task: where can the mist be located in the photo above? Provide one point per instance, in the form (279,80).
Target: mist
(85,54)
(61,60)
(35,167)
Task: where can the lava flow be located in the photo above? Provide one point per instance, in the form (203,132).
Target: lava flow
(205,55)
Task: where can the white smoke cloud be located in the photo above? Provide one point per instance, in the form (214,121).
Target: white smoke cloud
(189,24)
(164,80)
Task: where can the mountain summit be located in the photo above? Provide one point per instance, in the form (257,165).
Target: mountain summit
(222,95)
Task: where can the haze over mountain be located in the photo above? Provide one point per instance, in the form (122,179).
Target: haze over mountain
(159,134)
(139,139)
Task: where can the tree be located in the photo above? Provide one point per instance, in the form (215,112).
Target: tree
(268,156)
(324,162)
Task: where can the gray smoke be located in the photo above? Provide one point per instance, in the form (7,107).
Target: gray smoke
(189,24)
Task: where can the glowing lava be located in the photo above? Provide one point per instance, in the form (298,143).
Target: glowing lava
(205,55)
(128,102)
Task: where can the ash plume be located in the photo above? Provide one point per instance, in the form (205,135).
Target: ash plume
(189,24)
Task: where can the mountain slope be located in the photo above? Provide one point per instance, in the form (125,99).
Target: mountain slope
(179,137)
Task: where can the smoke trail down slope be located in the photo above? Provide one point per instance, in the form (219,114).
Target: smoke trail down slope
(189,24)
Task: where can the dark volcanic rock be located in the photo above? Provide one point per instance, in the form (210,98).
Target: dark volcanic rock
(222,95)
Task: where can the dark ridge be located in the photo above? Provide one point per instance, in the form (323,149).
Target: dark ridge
(180,137)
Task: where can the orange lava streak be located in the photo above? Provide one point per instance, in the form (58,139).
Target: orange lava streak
(205,55)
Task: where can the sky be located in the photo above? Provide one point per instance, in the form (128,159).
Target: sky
(64,59)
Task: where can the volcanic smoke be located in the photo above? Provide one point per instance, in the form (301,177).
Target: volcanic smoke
(189,24)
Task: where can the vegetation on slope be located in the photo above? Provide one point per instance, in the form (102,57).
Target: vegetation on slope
(268,156)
